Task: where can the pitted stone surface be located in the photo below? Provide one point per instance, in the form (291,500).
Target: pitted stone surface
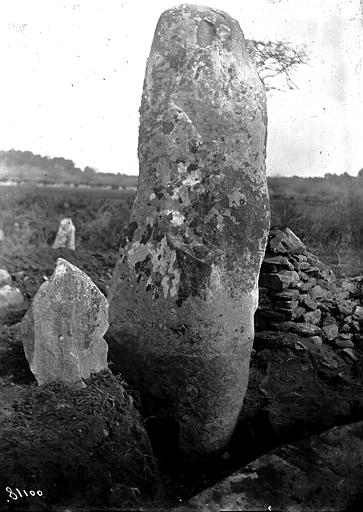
(63,331)
(184,290)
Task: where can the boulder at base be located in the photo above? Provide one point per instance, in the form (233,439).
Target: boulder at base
(323,472)
(184,290)
(63,331)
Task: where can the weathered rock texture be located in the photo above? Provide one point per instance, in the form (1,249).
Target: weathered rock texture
(63,331)
(322,472)
(185,290)
(66,235)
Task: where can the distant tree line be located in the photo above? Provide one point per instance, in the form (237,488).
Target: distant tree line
(24,166)
(331,186)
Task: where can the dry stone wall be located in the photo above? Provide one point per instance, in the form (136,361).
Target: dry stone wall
(299,293)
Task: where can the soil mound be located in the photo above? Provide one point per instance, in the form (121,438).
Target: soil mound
(85,446)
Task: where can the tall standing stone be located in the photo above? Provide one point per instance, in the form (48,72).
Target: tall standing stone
(184,289)
(63,330)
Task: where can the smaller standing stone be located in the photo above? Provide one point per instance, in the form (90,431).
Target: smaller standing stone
(63,331)
(66,235)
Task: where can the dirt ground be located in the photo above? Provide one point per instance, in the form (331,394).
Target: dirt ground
(296,389)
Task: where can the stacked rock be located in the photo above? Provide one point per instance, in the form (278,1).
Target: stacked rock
(11,298)
(299,293)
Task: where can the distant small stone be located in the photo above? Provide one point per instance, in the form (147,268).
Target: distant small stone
(63,331)
(5,277)
(66,235)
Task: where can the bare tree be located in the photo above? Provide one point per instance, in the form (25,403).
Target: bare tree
(276,62)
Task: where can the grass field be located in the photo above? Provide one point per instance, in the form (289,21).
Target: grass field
(30,215)
(327,216)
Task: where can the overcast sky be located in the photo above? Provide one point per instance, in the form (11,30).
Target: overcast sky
(72,74)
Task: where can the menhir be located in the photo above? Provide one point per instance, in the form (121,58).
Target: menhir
(184,290)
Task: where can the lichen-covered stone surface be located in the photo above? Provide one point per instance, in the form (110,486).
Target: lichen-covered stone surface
(63,330)
(184,290)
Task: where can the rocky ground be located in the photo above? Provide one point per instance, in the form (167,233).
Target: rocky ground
(306,377)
